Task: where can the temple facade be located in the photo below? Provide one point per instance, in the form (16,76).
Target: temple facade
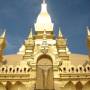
(44,62)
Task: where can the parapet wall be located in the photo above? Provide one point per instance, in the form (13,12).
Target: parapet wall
(75,69)
(14,70)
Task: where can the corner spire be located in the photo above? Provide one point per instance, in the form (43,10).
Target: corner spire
(3,34)
(60,33)
(88,31)
(30,34)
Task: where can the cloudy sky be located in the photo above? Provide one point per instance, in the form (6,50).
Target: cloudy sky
(18,16)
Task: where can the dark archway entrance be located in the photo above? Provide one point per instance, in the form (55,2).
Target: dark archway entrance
(44,73)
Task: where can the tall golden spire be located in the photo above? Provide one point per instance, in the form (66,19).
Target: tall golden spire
(43,20)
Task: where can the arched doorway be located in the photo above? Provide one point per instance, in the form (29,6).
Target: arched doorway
(44,73)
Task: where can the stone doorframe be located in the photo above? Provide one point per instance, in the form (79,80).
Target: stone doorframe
(44,73)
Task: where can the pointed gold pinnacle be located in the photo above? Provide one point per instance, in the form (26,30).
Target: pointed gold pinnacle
(60,33)
(30,34)
(88,31)
(3,34)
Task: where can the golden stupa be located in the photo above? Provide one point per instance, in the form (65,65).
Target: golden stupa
(44,62)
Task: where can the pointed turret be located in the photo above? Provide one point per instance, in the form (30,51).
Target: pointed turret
(28,41)
(61,41)
(88,31)
(60,33)
(2,39)
(2,44)
(3,34)
(63,51)
(29,46)
(30,34)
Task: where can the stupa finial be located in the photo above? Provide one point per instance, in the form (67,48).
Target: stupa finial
(44,1)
